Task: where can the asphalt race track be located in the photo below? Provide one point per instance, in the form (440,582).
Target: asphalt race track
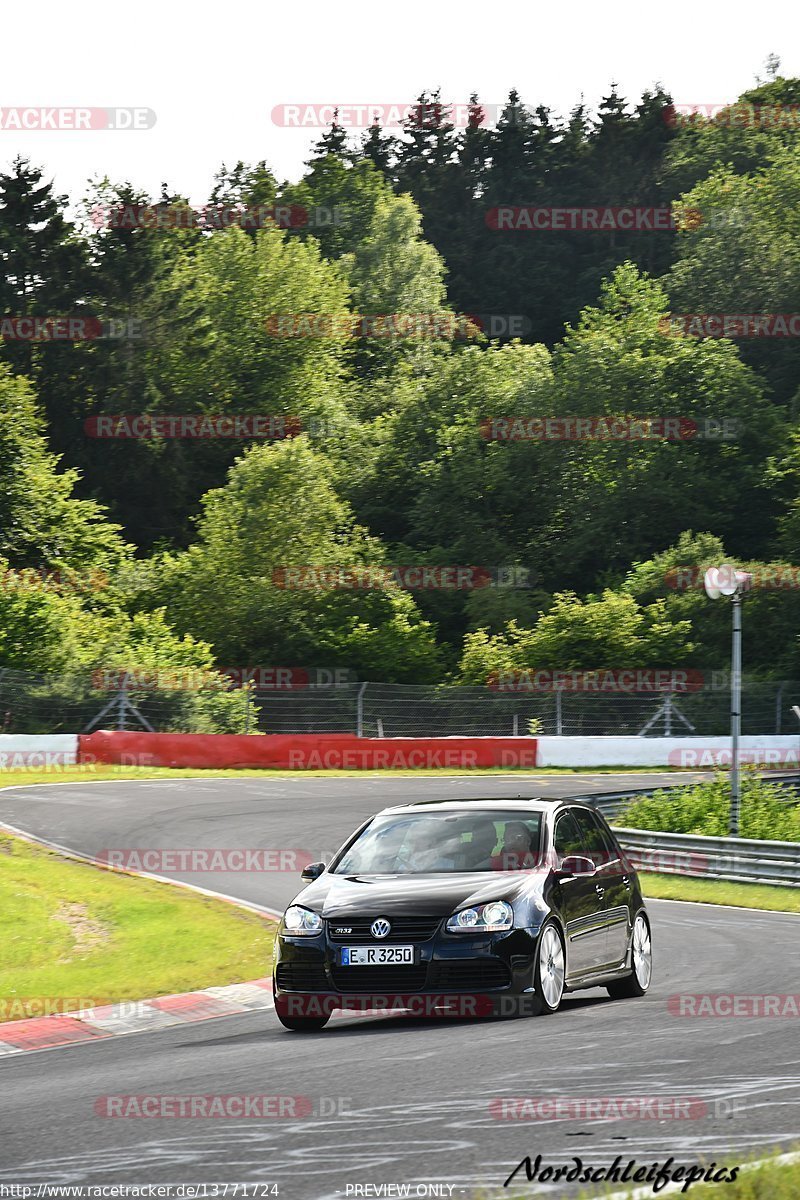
(402,1100)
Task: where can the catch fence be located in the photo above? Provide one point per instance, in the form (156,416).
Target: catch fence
(77,703)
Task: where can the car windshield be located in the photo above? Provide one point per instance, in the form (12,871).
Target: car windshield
(428,843)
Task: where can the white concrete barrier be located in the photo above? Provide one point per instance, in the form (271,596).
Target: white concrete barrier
(29,752)
(698,752)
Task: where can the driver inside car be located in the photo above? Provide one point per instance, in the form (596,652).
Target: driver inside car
(515,853)
(425,849)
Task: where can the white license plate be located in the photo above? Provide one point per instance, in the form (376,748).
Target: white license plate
(377,956)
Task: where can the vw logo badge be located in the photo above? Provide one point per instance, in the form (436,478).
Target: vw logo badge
(380,928)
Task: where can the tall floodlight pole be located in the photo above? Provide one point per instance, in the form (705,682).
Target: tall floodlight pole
(736,712)
(727,581)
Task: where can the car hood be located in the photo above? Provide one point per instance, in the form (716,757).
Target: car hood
(413,895)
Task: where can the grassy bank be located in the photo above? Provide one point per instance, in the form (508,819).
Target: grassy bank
(77,933)
(769,1181)
(767,812)
(719,891)
(100,771)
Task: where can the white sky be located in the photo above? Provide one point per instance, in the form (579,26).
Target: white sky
(213,74)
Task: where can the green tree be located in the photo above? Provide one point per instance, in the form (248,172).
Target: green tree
(45,272)
(278,510)
(741,254)
(42,523)
(395,273)
(743,136)
(609,632)
(341,198)
(772,609)
(227,324)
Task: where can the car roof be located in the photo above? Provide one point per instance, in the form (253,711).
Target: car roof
(492,804)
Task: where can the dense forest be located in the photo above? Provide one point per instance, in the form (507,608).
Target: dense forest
(384,322)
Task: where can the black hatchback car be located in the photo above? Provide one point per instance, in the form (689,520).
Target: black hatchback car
(477,907)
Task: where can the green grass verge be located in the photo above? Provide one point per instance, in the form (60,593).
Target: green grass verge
(73,931)
(90,771)
(719,891)
(770,1181)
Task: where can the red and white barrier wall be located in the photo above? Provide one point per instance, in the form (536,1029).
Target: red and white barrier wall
(686,752)
(20,751)
(305,752)
(343,751)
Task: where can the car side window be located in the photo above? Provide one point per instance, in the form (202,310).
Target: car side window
(567,837)
(593,843)
(611,848)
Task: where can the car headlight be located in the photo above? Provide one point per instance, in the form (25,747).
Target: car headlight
(301,922)
(493,917)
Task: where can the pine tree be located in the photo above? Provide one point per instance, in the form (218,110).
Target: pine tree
(379,149)
(333,141)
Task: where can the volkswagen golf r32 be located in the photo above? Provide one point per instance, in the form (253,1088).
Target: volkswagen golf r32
(487,906)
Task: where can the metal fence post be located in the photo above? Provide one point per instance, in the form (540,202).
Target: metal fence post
(360,711)
(559,723)
(122,701)
(778,700)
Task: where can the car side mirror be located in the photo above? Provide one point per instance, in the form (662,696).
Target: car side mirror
(312,871)
(575,864)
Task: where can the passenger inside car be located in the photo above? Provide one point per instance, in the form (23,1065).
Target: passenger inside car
(516,853)
(479,850)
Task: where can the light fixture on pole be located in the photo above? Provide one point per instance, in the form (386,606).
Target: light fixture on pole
(727,581)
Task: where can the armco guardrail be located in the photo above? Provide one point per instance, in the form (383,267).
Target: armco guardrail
(610,803)
(742,859)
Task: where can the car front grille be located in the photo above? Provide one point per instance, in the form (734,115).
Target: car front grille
(380,980)
(474,974)
(301,977)
(404,929)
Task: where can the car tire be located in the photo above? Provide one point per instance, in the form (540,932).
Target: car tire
(302,1024)
(638,982)
(550,971)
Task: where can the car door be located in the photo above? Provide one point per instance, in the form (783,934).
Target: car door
(582,905)
(616,880)
(612,885)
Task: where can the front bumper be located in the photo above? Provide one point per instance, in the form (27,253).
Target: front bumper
(461,966)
